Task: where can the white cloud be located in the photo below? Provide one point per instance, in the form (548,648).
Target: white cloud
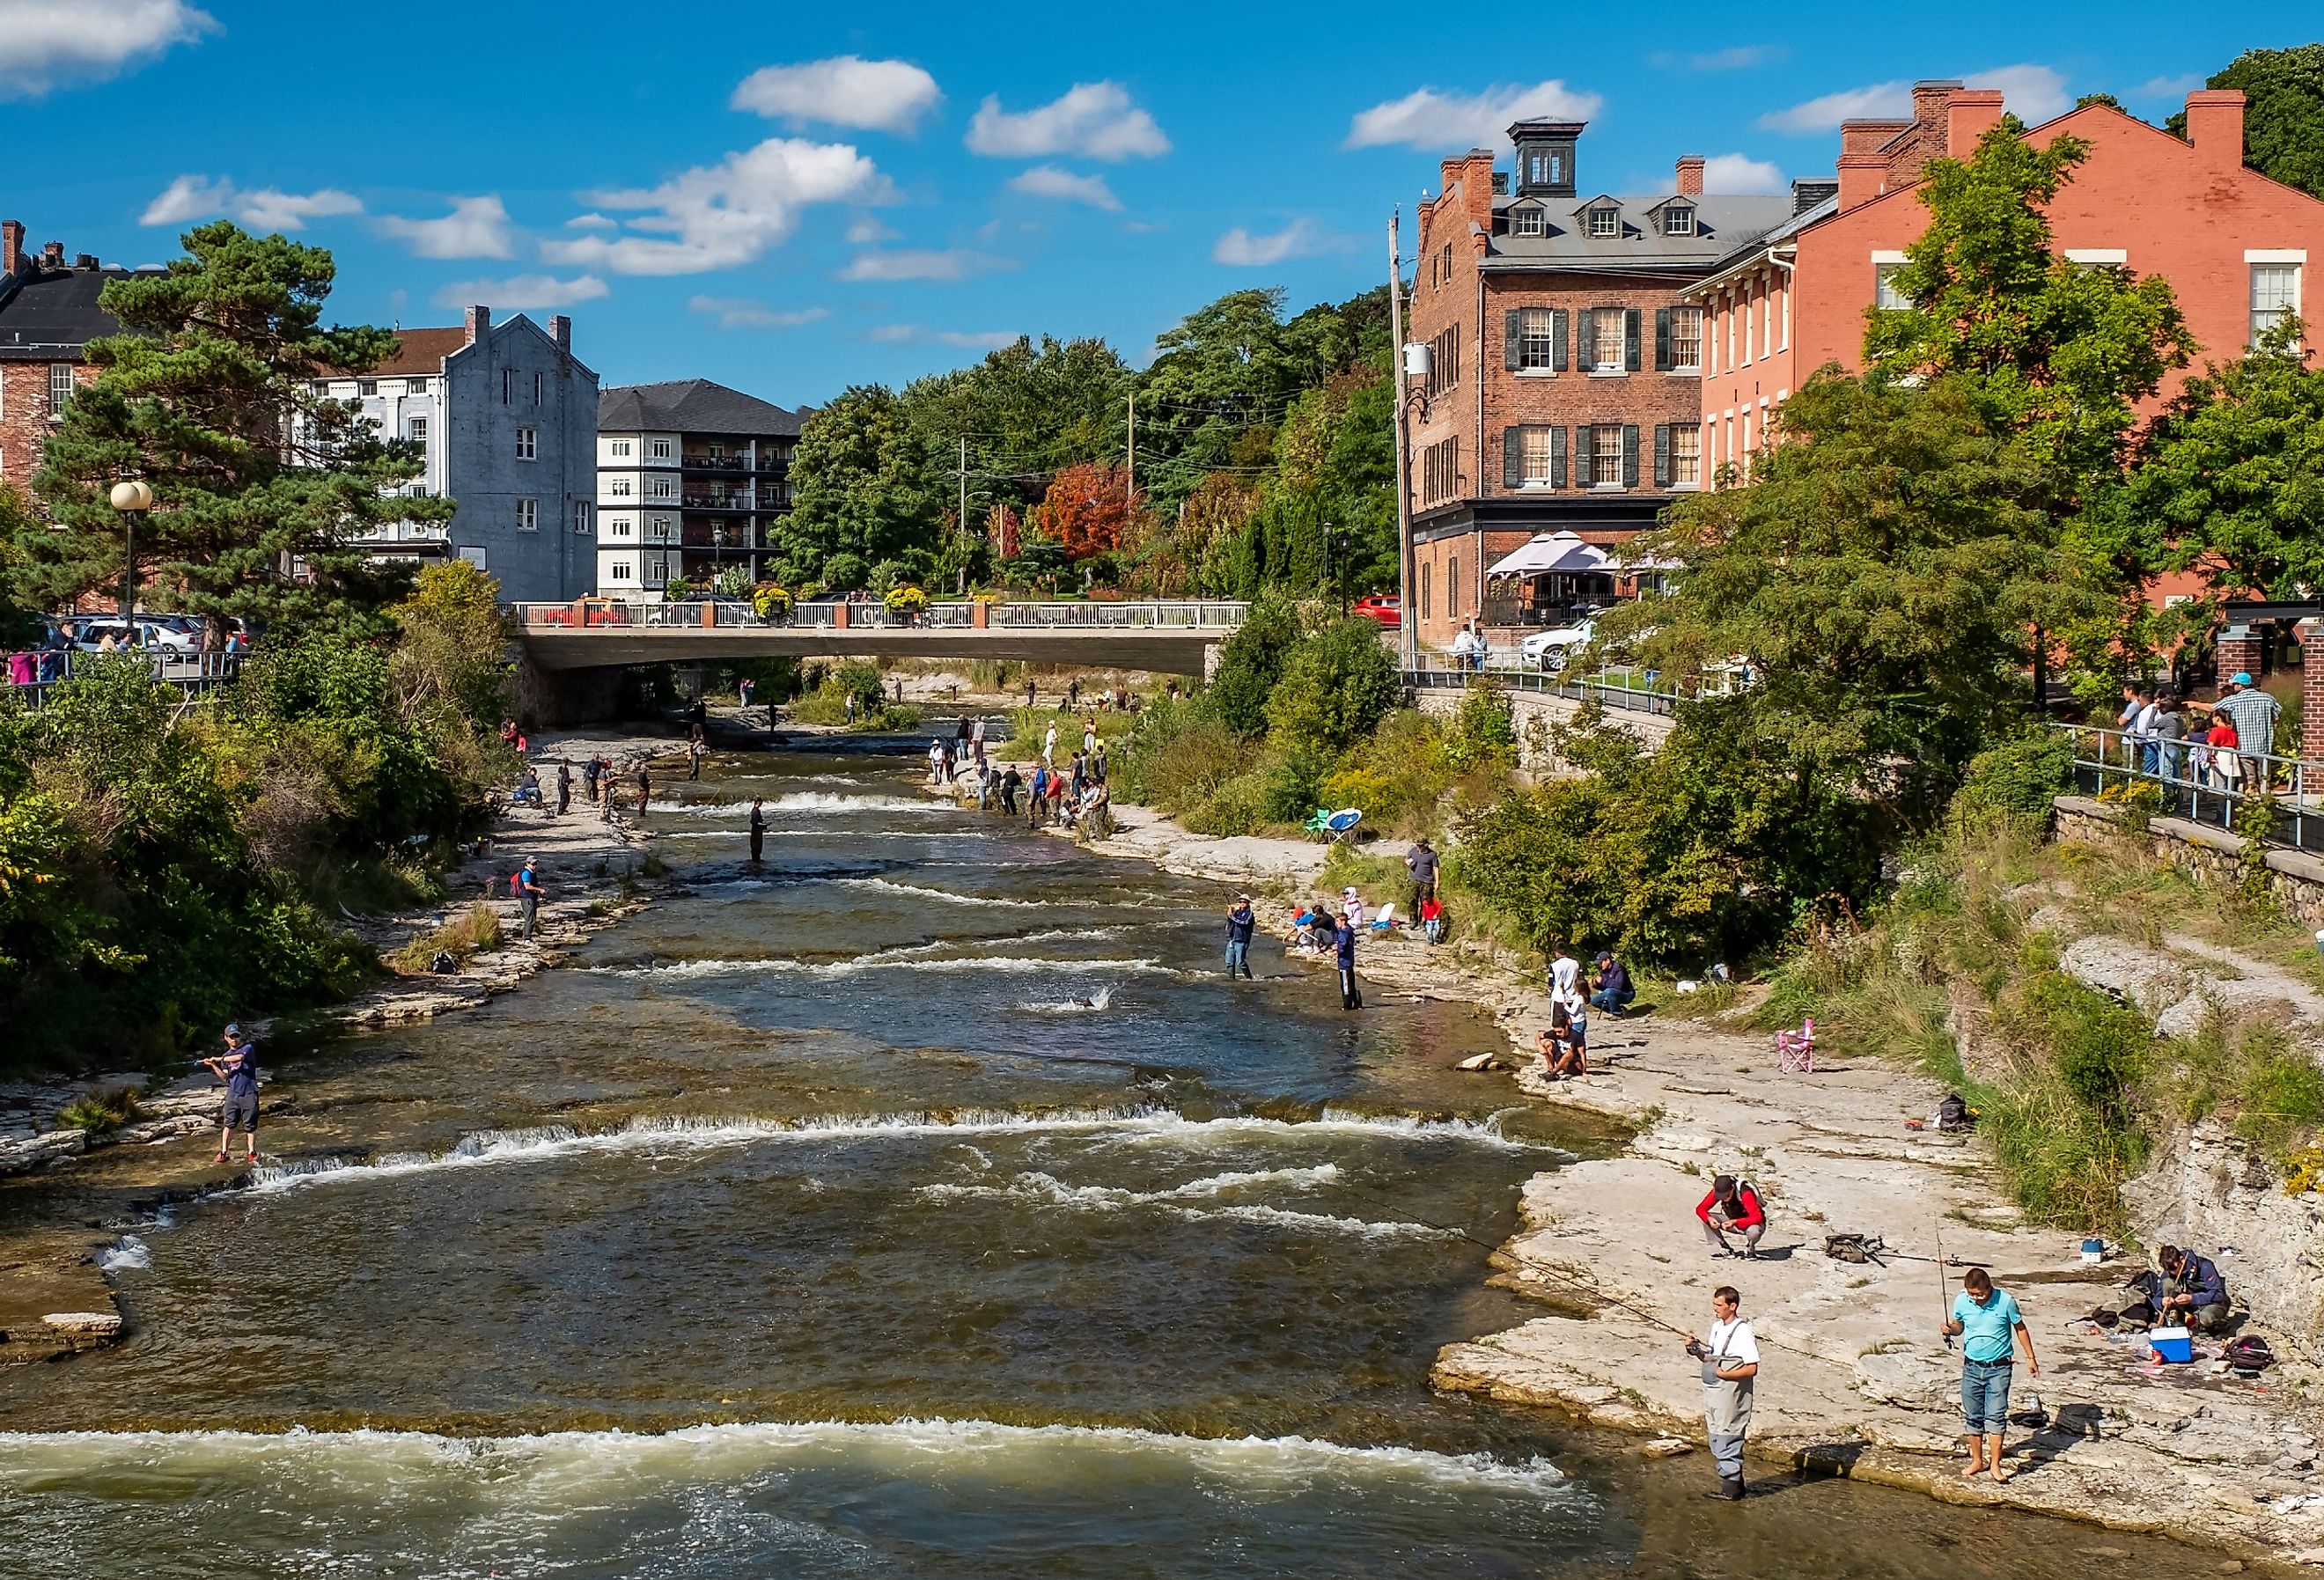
(2030,92)
(1238,249)
(918,334)
(741,312)
(592,222)
(45,43)
(716,216)
(846,90)
(520,292)
(477,228)
(922,263)
(866,229)
(1882,101)
(2171,87)
(1430,121)
(1094,120)
(190,198)
(1046,180)
(1735,58)
(1736,173)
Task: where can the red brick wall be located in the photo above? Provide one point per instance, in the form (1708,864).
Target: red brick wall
(25,418)
(2187,213)
(1450,568)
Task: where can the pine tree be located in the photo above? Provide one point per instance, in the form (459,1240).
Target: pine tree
(262,485)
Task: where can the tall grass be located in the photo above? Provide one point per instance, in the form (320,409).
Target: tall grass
(475,931)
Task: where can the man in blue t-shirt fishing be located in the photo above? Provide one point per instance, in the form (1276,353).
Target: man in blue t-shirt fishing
(237,1067)
(1992,1330)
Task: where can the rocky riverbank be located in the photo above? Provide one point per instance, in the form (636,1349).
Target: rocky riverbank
(1857,1381)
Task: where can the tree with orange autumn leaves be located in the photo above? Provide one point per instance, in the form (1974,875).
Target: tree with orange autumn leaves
(1089,509)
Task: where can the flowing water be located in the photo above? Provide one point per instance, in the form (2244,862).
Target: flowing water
(921,1201)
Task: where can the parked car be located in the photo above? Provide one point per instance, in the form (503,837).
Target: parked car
(151,636)
(1549,650)
(1385,607)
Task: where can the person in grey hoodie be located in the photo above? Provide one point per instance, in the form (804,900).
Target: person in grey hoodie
(1241,920)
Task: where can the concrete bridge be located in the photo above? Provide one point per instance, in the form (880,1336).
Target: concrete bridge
(1171,638)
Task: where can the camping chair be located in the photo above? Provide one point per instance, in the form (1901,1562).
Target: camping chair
(1341,825)
(1387,917)
(1796,1050)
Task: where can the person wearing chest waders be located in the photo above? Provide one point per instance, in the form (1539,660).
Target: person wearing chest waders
(758,827)
(1731,1365)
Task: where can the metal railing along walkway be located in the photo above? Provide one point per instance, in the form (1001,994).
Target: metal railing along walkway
(698,613)
(1611,691)
(2190,781)
(196,674)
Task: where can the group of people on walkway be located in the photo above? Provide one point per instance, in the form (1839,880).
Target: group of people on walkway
(2226,747)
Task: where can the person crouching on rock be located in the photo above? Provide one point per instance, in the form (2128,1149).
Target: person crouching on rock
(1731,1362)
(2194,1291)
(1732,1207)
(1560,1055)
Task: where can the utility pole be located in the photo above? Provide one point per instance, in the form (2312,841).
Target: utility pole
(964,513)
(1130,451)
(1407,614)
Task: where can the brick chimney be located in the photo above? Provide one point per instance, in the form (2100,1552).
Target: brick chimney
(2215,125)
(480,318)
(53,256)
(1969,114)
(1473,173)
(1930,98)
(12,245)
(1863,176)
(1867,136)
(560,330)
(1690,175)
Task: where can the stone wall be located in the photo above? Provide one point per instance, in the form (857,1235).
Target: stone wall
(2211,856)
(1536,712)
(2207,1192)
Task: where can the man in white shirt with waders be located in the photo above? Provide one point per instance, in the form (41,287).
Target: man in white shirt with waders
(1731,1361)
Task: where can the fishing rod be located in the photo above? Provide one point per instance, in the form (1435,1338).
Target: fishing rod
(1944,1309)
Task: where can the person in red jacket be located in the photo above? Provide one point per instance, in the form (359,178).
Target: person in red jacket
(1732,1207)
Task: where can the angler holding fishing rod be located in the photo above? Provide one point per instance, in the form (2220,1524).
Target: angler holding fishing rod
(1992,1332)
(237,1067)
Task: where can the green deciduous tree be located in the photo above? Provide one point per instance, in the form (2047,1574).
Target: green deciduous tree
(1251,661)
(1336,684)
(863,490)
(208,394)
(2230,478)
(2283,115)
(1882,576)
(2059,352)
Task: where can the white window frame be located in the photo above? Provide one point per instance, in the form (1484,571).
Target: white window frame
(662,489)
(528,443)
(581,511)
(1536,352)
(1605,224)
(61,376)
(1602,435)
(2277,311)
(415,429)
(662,449)
(621,446)
(528,515)
(618,488)
(1531,439)
(1620,318)
(1527,221)
(618,570)
(415,386)
(1678,363)
(1692,456)
(1678,219)
(1884,295)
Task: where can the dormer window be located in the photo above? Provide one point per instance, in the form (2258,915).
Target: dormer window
(1526,222)
(1678,219)
(1544,166)
(1605,222)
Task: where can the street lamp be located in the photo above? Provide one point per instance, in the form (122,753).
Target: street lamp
(133,498)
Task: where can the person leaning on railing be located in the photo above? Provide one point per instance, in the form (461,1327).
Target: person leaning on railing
(2255,714)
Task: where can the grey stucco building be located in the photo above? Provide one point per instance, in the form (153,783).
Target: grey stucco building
(506,417)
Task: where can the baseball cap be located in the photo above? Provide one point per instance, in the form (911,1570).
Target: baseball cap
(234,1029)
(2243,677)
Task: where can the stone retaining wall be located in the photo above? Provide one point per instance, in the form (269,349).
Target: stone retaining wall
(1534,712)
(2211,856)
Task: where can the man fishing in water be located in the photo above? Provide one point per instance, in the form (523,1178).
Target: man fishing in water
(237,1067)
(1731,1362)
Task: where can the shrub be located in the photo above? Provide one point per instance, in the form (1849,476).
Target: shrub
(100,1112)
(1336,685)
(1484,731)
(475,931)
(2019,778)
(1250,662)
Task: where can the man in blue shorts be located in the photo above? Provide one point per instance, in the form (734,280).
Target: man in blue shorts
(237,1067)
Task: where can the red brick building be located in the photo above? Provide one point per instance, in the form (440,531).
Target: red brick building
(2234,245)
(1558,389)
(48,316)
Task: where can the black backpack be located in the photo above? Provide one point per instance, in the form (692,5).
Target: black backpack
(443,965)
(2249,1354)
(1953,1115)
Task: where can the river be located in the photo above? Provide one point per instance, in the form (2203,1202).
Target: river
(920,1202)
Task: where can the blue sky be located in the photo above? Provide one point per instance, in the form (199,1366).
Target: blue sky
(791,198)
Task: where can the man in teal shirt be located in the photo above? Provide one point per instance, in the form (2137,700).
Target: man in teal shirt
(1992,1329)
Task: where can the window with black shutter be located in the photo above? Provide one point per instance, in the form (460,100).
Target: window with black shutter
(1630,450)
(1662,340)
(1630,339)
(1662,455)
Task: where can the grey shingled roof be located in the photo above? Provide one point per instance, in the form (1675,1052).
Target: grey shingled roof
(1723,222)
(691,406)
(54,313)
(1750,246)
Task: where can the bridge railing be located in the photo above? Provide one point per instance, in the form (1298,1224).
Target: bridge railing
(1614,689)
(607,614)
(195,674)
